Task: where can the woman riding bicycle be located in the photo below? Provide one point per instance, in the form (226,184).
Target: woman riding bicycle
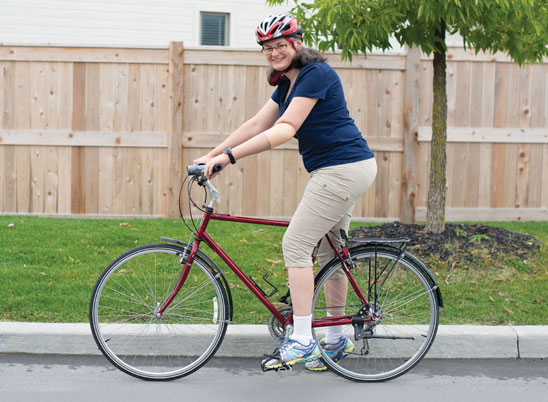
(308,104)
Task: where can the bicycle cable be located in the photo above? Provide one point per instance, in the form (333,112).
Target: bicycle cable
(191,202)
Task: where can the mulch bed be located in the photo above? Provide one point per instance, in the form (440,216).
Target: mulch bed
(457,241)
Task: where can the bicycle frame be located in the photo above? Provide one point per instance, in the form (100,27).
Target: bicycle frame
(202,235)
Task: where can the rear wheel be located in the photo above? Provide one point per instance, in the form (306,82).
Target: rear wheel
(405,313)
(123,313)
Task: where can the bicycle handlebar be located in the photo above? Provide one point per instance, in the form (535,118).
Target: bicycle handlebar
(198,170)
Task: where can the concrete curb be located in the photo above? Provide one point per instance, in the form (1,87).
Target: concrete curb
(452,341)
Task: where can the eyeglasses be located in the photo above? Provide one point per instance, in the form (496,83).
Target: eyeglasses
(279,47)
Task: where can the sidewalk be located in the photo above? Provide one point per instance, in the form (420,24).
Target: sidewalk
(452,341)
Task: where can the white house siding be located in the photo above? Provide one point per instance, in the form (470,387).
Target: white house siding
(124,23)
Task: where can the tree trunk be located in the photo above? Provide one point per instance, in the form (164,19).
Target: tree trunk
(435,213)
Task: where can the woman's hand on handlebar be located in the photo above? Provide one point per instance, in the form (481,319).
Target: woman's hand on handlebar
(220,161)
(202,160)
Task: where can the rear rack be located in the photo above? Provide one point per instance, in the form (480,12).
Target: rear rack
(378,240)
(401,242)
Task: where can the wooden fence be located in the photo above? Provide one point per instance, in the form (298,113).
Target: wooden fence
(109,132)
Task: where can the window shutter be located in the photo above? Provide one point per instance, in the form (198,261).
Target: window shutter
(214,29)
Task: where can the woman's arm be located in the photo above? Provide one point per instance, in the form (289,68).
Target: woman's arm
(283,130)
(264,119)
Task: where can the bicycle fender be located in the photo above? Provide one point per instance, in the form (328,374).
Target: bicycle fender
(426,271)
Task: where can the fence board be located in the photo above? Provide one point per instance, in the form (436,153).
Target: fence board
(235,191)
(119,181)
(522,175)
(535,178)
(159,180)
(106,169)
(489,134)
(277,189)
(501,95)
(484,180)
(51,180)
(538,95)
(425,96)
(423,170)
(4,169)
(513,103)
(37,170)
(175,125)
(488,95)
(82,55)
(449,174)
(462,95)
(410,137)
(545,114)
(476,99)
(381,188)
(497,175)
(395,168)
(107,85)
(372,103)
(132,181)
(121,98)
(64,181)
(471,186)
(9,178)
(146,188)
(544,191)
(7,97)
(525,93)
(23,179)
(510,175)
(289,188)
(398,101)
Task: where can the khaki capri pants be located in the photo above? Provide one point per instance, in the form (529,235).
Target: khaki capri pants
(326,205)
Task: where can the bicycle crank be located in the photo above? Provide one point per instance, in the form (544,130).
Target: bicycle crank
(275,327)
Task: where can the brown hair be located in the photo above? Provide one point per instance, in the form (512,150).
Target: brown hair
(303,57)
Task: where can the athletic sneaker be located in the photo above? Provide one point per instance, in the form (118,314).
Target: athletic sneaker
(289,353)
(336,351)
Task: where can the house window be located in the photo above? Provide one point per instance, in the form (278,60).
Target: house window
(214,29)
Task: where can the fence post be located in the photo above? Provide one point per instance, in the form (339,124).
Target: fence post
(175,127)
(410,135)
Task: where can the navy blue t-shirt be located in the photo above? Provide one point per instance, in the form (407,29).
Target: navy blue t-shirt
(328,136)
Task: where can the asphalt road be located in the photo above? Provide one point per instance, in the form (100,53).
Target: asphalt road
(40,378)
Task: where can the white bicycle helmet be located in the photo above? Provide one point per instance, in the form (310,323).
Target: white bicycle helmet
(278,26)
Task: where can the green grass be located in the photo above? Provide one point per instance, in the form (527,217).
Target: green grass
(497,291)
(48,268)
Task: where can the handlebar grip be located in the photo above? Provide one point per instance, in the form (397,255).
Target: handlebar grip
(198,170)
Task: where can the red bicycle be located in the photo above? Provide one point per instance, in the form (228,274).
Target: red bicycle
(161,311)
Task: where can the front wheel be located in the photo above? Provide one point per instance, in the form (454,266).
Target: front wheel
(127,329)
(404,305)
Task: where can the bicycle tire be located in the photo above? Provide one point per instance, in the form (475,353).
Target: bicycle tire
(405,297)
(123,320)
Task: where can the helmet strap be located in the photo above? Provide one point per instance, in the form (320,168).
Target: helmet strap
(280,73)
(291,42)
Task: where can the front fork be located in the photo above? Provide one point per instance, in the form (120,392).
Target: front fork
(187,263)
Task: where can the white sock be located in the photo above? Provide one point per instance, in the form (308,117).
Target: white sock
(334,332)
(302,329)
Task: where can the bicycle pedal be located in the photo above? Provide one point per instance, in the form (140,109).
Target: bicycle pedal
(283,367)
